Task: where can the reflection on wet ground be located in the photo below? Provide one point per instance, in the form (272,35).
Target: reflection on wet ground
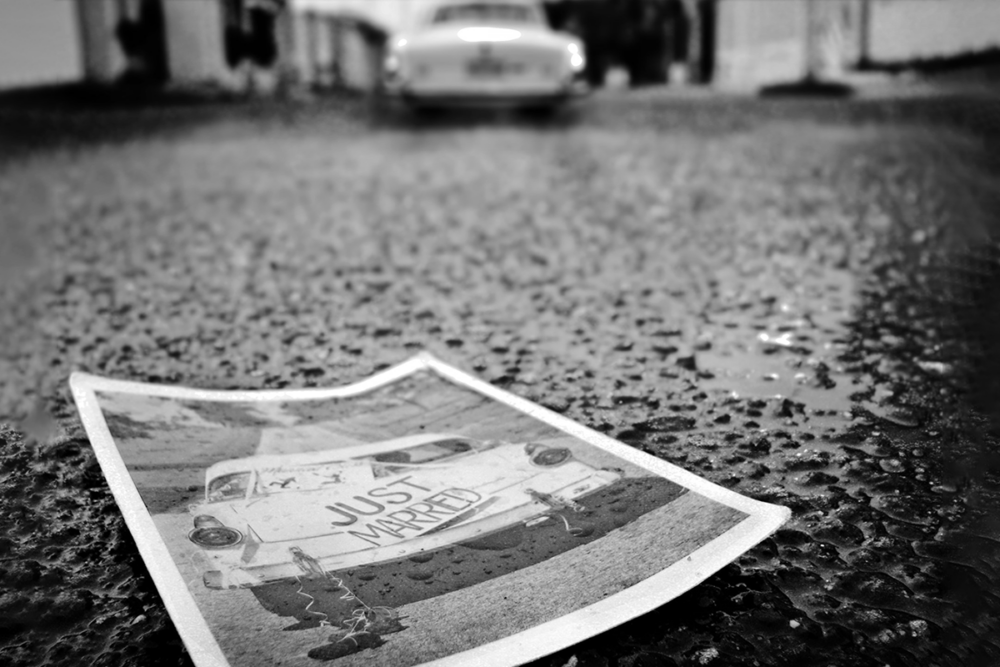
(802,326)
(859,393)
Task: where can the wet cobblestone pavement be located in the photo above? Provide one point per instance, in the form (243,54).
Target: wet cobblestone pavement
(792,299)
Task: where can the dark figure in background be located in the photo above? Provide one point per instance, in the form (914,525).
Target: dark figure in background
(630,33)
(263,39)
(143,41)
(250,32)
(596,23)
(645,52)
(643,36)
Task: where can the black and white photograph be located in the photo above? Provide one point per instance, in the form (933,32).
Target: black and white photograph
(413,522)
(549,333)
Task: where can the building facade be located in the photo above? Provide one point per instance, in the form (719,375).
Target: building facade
(264,44)
(187,42)
(257,45)
(39,43)
(762,42)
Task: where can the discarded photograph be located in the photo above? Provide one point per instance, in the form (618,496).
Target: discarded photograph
(418,517)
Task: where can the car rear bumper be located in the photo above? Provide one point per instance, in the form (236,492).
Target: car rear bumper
(479,96)
(246,575)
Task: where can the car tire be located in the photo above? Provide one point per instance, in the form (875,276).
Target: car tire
(541,112)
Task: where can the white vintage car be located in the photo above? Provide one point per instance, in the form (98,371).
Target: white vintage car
(272,517)
(485,52)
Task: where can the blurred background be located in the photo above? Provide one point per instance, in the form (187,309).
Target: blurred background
(340,43)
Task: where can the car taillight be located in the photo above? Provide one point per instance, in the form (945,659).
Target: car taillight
(551,457)
(577,61)
(214,536)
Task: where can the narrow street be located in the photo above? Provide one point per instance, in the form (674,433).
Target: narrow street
(795,299)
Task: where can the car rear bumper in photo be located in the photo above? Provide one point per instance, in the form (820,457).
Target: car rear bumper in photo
(246,575)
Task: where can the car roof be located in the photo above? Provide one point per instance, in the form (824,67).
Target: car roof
(432,10)
(451,3)
(246,464)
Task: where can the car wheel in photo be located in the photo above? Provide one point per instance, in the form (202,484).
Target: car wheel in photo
(216,537)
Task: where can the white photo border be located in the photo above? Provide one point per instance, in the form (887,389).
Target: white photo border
(544,639)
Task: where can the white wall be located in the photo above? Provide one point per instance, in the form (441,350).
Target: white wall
(195,41)
(905,29)
(760,42)
(39,42)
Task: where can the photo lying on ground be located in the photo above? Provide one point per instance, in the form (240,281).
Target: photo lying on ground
(419,516)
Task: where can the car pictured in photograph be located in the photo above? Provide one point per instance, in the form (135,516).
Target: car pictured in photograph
(489,52)
(271,517)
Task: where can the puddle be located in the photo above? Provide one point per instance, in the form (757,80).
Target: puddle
(783,341)
(751,374)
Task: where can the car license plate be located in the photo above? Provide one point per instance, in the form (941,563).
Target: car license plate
(486,68)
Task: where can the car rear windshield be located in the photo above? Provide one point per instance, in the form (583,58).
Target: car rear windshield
(434,451)
(485,13)
(302,478)
(228,487)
